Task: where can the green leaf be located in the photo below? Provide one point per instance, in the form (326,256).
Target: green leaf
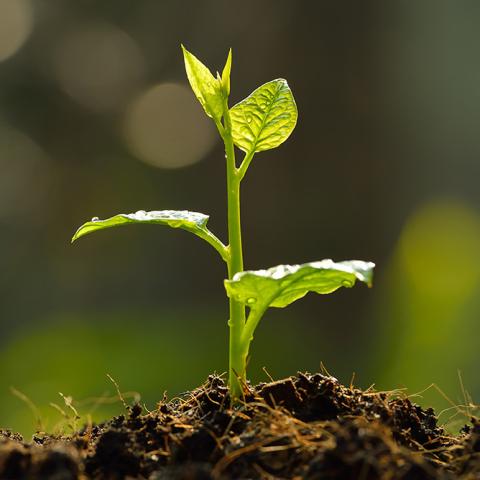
(265,119)
(226,74)
(206,87)
(279,286)
(193,222)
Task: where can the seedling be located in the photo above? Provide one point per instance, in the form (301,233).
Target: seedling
(262,121)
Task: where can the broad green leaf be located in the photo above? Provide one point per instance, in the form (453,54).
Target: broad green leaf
(265,119)
(226,74)
(206,87)
(279,286)
(193,222)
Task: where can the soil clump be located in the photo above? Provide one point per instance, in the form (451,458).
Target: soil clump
(303,427)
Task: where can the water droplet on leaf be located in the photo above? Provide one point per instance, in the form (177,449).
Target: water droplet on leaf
(251,301)
(95,219)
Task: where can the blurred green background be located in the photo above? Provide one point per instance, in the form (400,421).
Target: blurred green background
(96,118)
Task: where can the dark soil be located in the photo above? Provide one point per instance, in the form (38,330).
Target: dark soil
(303,427)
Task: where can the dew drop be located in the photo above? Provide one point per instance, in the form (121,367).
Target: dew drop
(249,119)
(95,219)
(251,301)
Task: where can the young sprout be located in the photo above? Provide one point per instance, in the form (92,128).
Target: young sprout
(262,121)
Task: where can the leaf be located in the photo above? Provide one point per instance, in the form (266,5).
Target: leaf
(279,286)
(266,118)
(206,87)
(226,74)
(193,222)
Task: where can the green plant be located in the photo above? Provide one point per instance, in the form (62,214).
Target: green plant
(262,121)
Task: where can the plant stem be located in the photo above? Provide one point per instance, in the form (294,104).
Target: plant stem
(237,353)
(254,317)
(245,164)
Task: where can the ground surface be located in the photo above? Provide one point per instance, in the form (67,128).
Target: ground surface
(303,427)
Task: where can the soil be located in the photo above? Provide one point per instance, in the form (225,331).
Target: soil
(303,427)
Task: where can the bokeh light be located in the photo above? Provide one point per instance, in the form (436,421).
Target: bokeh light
(98,65)
(165,127)
(16,23)
(439,249)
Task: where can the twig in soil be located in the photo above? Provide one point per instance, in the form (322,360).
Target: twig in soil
(352,380)
(225,461)
(323,370)
(421,392)
(466,396)
(370,389)
(119,393)
(60,425)
(396,392)
(228,427)
(264,474)
(106,399)
(211,399)
(33,408)
(243,383)
(218,441)
(267,374)
(69,404)
(464,410)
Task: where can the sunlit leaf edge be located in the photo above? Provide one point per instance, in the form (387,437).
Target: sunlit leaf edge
(172,218)
(242,287)
(192,222)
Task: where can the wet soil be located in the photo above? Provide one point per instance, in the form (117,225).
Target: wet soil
(303,427)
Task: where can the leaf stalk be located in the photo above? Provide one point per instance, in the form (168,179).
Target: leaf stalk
(245,164)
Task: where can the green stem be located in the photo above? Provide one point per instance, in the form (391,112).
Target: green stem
(245,163)
(237,354)
(254,318)
(214,241)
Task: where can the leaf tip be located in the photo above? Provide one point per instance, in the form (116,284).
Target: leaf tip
(79,233)
(229,58)
(186,54)
(225,78)
(75,237)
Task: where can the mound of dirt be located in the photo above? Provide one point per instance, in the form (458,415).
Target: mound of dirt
(303,427)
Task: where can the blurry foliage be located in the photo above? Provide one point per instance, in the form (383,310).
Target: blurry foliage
(428,312)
